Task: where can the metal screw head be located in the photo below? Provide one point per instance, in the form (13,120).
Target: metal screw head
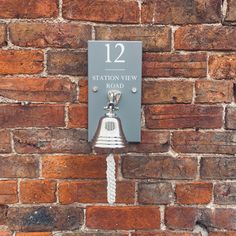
(134,90)
(95,89)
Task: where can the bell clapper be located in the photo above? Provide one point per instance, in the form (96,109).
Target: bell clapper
(111,179)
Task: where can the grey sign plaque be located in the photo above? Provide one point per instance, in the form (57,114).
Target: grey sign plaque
(115,65)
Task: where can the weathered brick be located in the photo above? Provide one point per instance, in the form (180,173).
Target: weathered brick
(193,193)
(21,61)
(94,192)
(5,141)
(151,141)
(84,167)
(83,90)
(93,234)
(220,233)
(19,167)
(155,193)
(204,142)
(167,92)
(154,38)
(38,89)
(78,116)
(28,9)
(159,167)
(50,35)
(165,233)
(231,12)
(174,65)
(67,62)
(117,11)
(183,116)
(213,91)
(37,191)
(3,214)
(31,115)
(225,193)
(51,141)
(222,66)
(218,168)
(181,11)
(3,35)
(205,37)
(33,234)
(230,117)
(181,217)
(8,192)
(44,218)
(130,217)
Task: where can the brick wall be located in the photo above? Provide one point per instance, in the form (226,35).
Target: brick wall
(179,181)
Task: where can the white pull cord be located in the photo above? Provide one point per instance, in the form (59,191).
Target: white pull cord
(111,179)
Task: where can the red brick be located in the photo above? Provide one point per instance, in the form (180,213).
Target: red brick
(130,217)
(151,141)
(67,62)
(181,11)
(5,141)
(83,91)
(155,193)
(167,92)
(21,61)
(174,65)
(117,11)
(213,91)
(94,192)
(51,141)
(231,117)
(218,168)
(224,193)
(94,234)
(31,115)
(38,89)
(181,217)
(8,192)
(28,9)
(231,12)
(3,35)
(45,218)
(220,233)
(183,116)
(79,167)
(5,233)
(33,234)
(224,218)
(205,37)
(159,167)
(50,35)
(78,116)
(19,167)
(194,193)
(204,142)
(222,66)
(154,38)
(165,233)
(37,191)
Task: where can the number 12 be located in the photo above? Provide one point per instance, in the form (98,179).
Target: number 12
(118,59)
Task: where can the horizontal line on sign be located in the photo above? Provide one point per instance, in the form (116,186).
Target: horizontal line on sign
(115,69)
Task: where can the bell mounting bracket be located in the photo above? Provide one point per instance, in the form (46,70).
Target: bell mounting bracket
(115,66)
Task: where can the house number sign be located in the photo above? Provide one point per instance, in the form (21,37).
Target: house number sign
(115,65)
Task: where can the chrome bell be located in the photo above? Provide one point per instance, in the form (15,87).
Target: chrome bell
(109,133)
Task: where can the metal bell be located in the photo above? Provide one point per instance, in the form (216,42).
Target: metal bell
(109,133)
